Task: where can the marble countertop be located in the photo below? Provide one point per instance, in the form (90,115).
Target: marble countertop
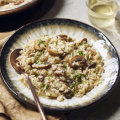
(108,109)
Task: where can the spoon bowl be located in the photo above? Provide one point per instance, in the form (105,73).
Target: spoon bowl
(13,60)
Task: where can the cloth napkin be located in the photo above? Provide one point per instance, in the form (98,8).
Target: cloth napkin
(10,108)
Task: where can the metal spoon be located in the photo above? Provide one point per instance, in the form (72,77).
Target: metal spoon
(13,62)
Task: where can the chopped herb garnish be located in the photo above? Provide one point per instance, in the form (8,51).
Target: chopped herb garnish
(46,45)
(96,72)
(56,60)
(46,87)
(80,53)
(42,85)
(80,82)
(88,57)
(39,54)
(49,75)
(46,35)
(37,61)
(74,71)
(56,42)
(64,66)
(35,57)
(41,42)
(77,75)
(73,85)
(34,73)
(72,54)
(82,75)
(42,52)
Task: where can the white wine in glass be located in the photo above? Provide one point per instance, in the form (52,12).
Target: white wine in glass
(102,12)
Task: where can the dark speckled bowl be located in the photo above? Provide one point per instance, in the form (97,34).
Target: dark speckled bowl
(4,12)
(53,27)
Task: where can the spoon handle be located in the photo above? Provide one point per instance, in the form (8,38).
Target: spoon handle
(36,98)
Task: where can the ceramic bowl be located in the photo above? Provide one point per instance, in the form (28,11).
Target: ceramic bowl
(18,8)
(53,27)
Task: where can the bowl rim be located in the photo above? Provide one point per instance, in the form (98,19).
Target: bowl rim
(19,8)
(54,108)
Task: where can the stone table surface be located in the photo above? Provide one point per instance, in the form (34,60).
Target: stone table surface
(109,109)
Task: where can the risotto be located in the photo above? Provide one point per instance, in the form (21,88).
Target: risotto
(61,67)
(6,4)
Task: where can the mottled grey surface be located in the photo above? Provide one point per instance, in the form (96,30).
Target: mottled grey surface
(109,109)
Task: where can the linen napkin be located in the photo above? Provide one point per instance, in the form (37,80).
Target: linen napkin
(10,108)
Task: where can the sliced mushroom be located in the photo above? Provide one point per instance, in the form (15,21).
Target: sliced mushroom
(53,52)
(68,94)
(39,46)
(92,66)
(62,78)
(4,2)
(18,2)
(64,37)
(84,40)
(36,45)
(42,65)
(63,55)
(59,71)
(77,61)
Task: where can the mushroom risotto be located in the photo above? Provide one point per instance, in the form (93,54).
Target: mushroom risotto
(61,67)
(6,4)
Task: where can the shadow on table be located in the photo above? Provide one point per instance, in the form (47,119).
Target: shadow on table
(14,21)
(55,9)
